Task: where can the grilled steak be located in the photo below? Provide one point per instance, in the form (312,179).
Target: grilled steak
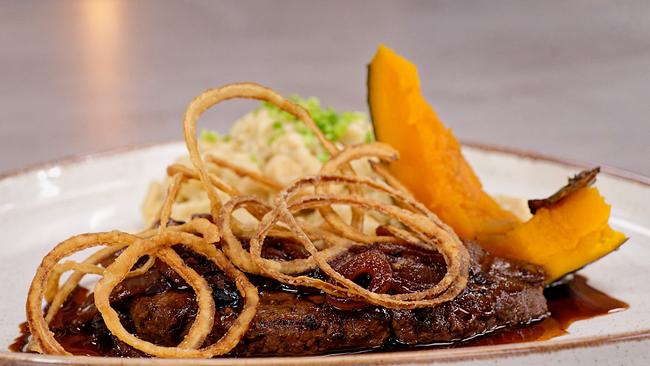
(159,307)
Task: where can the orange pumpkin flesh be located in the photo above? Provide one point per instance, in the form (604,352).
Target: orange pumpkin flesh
(431,164)
(563,238)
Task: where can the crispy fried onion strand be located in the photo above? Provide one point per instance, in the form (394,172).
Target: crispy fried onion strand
(156,246)
(336,163)
(434,234)
(241,258)
(243,172)
(111,276)
(55,296)
(417,226)
(116,272)
(212,97)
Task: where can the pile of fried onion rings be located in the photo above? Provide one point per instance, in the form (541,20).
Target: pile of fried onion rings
(219,239)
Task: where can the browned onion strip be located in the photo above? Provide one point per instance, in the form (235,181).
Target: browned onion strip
(452,250)
(231,245)
(144,268)
(55,296)
(354,152)
(38,326)
(425,224)
(341,161)
(52,288)
(199,235)
(52,283)
(243,172)
(116,272)
(402,234)
(200,225)
(204,319)
(241,258)
(212,97)
(219,184)
(172,193)
(381,170)
(165,214)
(336,163)
(291,192)
(268,222)
(208,230)
(439,229)
(214,180)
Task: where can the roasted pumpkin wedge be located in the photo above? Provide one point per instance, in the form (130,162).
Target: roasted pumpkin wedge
(563,237)
(431,164)
(567,231)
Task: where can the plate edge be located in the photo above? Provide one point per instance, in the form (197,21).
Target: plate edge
(413,356)
(487,147)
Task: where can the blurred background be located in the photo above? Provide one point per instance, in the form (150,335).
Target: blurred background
(566,78)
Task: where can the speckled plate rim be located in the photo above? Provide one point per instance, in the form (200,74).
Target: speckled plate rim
(414,356)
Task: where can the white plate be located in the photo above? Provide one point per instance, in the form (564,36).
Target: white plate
(42,206)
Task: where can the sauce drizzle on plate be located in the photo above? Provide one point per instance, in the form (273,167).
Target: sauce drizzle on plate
(567,303)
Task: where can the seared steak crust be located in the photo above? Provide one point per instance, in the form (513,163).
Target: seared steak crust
(287,325)
(159,308)
(499,293)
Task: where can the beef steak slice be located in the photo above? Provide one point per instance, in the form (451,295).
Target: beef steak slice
(499,293)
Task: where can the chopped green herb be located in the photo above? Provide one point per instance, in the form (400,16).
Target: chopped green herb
(209,136)
(323,157)
(310,140)
(212,137)
(333,124)
(370,137)
(253,158)
(277,125)
(275,135)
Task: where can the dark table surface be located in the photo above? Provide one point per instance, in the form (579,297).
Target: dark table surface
(567,78)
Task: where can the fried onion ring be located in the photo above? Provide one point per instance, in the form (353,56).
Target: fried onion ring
(425,225)
(243,172)
(241,258)
(280,220)
(336,163)
(116,272)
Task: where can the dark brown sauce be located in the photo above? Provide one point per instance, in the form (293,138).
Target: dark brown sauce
(567,303)
(73,343)
(21,341)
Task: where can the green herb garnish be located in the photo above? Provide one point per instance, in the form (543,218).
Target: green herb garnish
(212,137)
(370,137)
(323,157)
(209,136)
(333,124)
